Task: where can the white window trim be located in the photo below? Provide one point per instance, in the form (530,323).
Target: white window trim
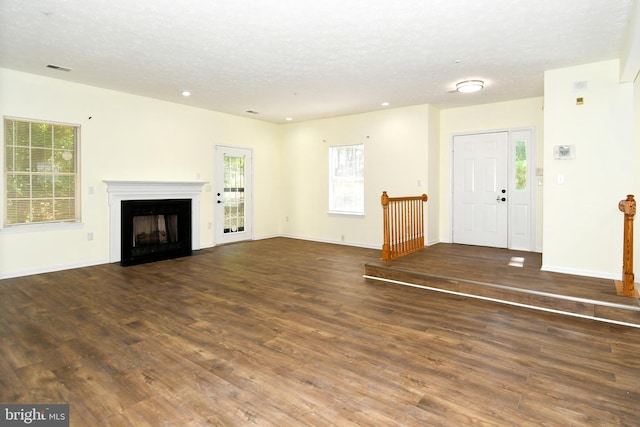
(41,226)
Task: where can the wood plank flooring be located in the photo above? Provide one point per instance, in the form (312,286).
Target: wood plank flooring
(283,332)
(486,273)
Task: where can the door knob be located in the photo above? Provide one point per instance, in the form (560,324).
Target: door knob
(501,199)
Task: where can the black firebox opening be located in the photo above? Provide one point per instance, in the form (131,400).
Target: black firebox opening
(153,230)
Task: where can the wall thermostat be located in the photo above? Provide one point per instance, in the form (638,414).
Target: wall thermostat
(564,152)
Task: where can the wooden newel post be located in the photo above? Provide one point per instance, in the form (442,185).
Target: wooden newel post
(628,206)
(386,245)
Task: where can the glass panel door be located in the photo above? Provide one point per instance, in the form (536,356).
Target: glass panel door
(232,194)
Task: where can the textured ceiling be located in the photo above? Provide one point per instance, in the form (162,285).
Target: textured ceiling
(310,59)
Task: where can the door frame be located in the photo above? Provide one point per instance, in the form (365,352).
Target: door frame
(531,177)
(218,220)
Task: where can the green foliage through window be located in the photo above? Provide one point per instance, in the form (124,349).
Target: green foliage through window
(40,172)
(521,165)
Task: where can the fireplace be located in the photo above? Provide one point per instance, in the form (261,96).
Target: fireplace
(152,230)
(121,192)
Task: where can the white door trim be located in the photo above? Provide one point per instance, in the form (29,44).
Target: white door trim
(218,223)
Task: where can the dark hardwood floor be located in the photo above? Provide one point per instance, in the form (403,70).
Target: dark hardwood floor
(284,332)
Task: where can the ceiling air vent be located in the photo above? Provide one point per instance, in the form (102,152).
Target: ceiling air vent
(57,67)
(252,112)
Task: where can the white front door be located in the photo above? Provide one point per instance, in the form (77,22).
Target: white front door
(480,189)
(492,189)
(233,194)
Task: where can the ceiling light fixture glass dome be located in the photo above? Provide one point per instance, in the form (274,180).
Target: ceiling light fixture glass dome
(468,86)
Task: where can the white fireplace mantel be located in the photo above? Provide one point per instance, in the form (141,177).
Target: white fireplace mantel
(148,190)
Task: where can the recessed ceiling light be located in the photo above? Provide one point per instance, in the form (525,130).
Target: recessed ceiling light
(186,93)
(289,119)
(385,104)
(469,86)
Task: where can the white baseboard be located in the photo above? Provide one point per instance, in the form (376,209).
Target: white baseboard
(51,269)
(333,242)
(580,272)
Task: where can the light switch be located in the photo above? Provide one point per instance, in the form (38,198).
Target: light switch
(560,179)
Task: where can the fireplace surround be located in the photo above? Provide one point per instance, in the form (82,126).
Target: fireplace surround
(121,191)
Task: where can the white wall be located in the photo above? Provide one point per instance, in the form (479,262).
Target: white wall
(130,138)
(407,152)
(434,171)
(583,227)
(636,173)
(481,118)
(396,160)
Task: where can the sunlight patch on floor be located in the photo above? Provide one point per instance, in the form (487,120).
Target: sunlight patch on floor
(516,261)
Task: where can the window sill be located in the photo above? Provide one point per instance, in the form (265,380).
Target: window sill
(35,228)
(342,213)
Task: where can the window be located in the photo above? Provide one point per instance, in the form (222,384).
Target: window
(346,179)
(41,172)
(521,165)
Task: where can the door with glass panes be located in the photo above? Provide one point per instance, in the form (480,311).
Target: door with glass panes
(232,194)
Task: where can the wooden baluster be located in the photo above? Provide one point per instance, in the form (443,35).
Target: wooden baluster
(414,225)
(403,228)
(398,229)
(421,224)
(416,222)
(396,225)
(628,206)
(386,250)
(410,220)
(392,209)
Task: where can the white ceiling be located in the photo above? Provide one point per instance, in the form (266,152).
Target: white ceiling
(310,59)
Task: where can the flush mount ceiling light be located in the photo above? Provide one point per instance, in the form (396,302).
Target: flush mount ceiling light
(186,93)
(468,86)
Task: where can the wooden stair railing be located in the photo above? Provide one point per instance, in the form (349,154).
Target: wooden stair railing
(403,225)
(628,207)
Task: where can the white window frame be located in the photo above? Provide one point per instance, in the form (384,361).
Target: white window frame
(41,225)
(351,176)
